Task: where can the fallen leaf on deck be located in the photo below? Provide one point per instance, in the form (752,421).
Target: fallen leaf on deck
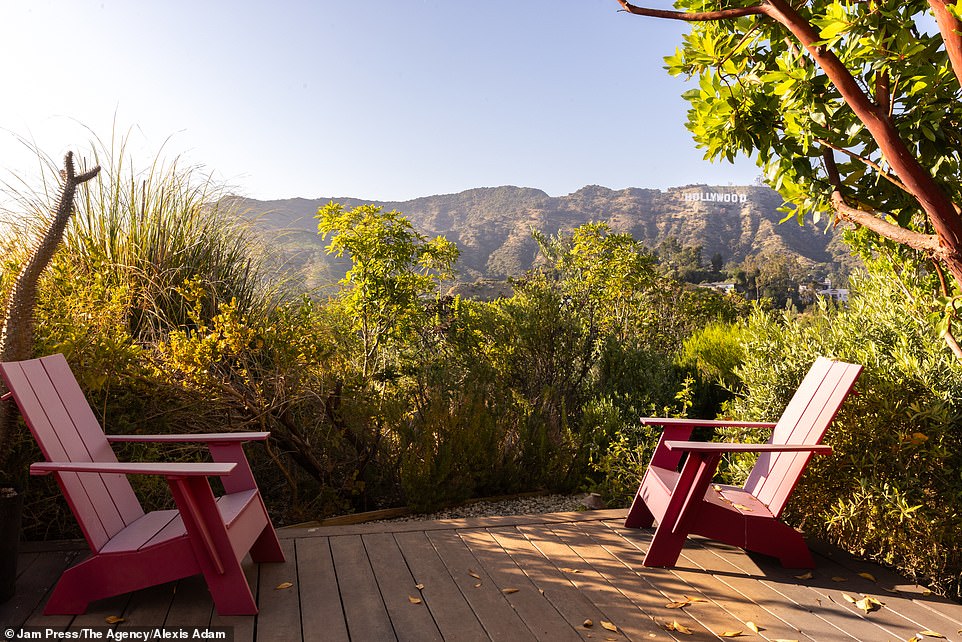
(473,573)
(283,585)
(868,576)
(675,626)
(839,578)
(509,591)
(414,600)
(541,591)
(849,598)
(113,619)
(868,604)
(677,605)
(805,576)
(695,599)
(478,585)
(754,627)
(570,570)
(931,634)
(419,587)
(730,634)
(587,624)
(608,625)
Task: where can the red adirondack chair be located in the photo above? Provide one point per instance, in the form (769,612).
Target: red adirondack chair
(686,501)
(131,549)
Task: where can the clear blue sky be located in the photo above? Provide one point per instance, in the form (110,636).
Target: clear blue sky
(373,99)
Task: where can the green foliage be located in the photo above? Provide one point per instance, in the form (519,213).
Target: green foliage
(600,273)
(760,93)
(623,446)
(392,267)
(888,489)
(385,393)
(715,352)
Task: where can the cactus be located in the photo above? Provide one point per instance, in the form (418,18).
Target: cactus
(16,339)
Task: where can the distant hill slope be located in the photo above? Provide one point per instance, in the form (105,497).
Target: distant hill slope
(492,226)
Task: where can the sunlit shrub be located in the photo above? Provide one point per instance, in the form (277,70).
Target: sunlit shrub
(891,488)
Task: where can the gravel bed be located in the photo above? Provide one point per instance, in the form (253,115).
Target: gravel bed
(514,506)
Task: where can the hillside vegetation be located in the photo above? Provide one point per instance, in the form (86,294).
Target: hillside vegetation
(492,226)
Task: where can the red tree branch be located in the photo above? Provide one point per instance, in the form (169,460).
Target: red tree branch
(703,16)
(950,27)
(928,243)
(873,220)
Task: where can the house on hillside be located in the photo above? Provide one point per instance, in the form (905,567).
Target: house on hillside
(823,289)
(721,286)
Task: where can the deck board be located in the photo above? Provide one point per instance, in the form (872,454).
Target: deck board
(34,582)
(538,614)
(365,614)
(356,583)
(712,604)
(322,617)
(499,619)
(837,613)
(552,582)
(279,600)
(405,606)
(593,579)
(649,590)
(452,614)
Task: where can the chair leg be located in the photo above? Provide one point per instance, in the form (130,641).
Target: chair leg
(638,515)
(665,548)
(71,595)
(229,590)
(772,537)
(266,547)
(212,546)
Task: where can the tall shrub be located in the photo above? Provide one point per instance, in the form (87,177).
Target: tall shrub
(890,489)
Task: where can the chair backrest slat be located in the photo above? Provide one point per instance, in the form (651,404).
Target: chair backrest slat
(65,428)
(805,421)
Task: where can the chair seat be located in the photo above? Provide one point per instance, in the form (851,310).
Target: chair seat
(162,526)
(731,498)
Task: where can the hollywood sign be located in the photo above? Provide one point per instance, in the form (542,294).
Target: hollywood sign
(717,197)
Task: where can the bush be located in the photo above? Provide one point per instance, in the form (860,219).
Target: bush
(889,489)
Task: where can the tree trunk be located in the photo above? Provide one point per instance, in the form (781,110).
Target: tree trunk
(16,340)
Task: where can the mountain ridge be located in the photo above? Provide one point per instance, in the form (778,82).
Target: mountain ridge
(492,225)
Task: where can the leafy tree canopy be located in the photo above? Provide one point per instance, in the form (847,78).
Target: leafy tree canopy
(851,108)
(760,92)
(393,266)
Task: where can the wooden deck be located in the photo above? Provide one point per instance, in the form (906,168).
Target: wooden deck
(536,577)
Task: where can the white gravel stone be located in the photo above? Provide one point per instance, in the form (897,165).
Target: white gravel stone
(514,506)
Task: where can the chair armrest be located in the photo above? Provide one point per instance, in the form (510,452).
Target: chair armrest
(680,429)
(718,447)
(224,447)
(209,438)
(135,468)
(707,423)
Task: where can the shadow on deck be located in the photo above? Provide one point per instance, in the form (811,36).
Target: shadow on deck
(530,577)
